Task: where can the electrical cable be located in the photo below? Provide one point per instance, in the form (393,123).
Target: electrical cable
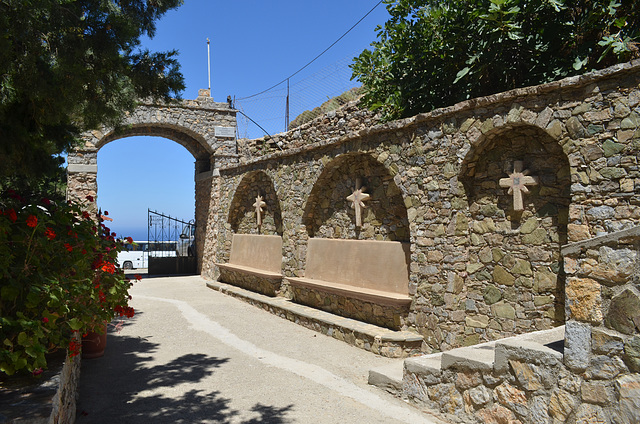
(314,59)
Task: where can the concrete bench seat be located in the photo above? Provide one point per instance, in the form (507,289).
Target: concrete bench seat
(255,263)
(362,293)
(362,271)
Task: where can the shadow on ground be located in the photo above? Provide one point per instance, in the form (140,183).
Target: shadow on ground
(125,387)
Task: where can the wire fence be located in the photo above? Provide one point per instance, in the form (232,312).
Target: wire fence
(275,110)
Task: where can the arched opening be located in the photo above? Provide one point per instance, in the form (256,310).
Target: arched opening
(517,275)
(328,213)
(140,173)
(242,214)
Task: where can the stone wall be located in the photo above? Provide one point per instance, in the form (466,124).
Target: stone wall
(593,378)
(480,270)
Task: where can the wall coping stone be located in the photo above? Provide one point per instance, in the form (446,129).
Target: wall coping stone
(573,82)
(579,246)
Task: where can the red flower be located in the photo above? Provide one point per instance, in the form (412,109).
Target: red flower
(37,371)
(45,320)
(12,215)
(74,348)
(90,198)
(84,251)
(50,233)
(68,247)
(102,297)
(138,277)
(86,215)
(72,234)
(106,213)
(32,221)
(46,201)
(129,240)
(126,311)
(109,267)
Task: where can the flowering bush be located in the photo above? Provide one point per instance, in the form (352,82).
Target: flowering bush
(58,276)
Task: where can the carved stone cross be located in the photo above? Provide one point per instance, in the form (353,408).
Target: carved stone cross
(259,204)
(517,183)
(357,199)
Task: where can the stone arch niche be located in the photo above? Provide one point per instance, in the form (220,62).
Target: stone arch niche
(328,213)
(242,213)
(515,279)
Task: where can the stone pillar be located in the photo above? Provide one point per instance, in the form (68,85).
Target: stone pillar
(602,335)
(82,182)
(203,196)
(210,232)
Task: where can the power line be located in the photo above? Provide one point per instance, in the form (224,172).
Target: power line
(315,58)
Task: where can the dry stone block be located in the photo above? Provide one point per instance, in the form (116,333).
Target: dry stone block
(577,232)
(577,347)
(624,313)
(591,414)
(561,404)
(502,277)
(447,398)
(605,368)
(497,414)
(527,375)
(544,281)
(628,388)
(512,397)
(584,300)
(596,392)
(632,353)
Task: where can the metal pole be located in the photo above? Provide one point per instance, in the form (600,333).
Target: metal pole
(286,115)
(209,65)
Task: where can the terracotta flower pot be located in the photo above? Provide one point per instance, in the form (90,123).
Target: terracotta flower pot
(93,344)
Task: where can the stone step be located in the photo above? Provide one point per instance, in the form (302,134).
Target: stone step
(379,340)
(388,377)
(480,357)
(540,347)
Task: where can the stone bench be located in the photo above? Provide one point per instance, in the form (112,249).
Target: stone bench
(372,276)
(255,263)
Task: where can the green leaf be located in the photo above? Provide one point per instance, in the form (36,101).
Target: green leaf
(75,324)
(579,63)
(461,74)
(23,339)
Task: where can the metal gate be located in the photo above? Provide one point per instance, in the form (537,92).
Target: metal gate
(172,245)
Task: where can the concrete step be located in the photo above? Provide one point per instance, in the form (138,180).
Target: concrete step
(480,357)
(388,377)
(541,347)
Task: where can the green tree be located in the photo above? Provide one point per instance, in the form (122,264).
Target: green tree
(434,53)
(67,66)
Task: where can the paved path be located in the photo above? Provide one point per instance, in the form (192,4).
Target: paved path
(194,355)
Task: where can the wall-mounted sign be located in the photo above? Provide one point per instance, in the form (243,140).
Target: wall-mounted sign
(225,132)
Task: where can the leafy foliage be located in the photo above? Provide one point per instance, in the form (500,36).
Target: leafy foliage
(58,276)
(434,53)
(70,65)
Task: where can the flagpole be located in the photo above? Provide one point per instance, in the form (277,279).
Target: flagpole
(209,65)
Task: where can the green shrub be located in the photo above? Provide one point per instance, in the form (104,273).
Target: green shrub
(58,277)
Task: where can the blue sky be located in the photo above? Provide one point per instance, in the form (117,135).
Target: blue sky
(254,45)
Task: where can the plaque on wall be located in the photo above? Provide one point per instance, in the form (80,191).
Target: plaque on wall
(229,132)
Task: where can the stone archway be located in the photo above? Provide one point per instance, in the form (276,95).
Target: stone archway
(205,128)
